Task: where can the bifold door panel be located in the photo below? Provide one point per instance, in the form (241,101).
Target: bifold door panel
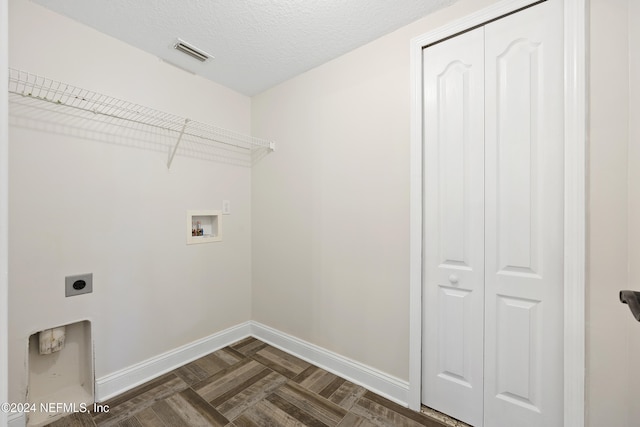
(454,226)
(524,182)
(493,205)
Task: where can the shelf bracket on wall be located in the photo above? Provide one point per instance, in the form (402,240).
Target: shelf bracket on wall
(175,148)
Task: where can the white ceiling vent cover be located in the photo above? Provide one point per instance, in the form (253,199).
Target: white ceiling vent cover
(192,51)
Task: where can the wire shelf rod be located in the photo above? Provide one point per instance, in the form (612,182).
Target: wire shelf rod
(59,93)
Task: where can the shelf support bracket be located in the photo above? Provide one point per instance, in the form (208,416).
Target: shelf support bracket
(175,148)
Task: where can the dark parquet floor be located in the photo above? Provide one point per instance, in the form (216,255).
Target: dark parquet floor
(249,384)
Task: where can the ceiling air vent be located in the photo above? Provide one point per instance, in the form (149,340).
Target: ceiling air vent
(192,51)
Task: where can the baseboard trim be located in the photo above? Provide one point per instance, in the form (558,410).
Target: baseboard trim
(17,420)
(118,382)
(370,378)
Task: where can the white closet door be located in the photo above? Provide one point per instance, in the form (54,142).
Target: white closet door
(454,227)
(524,182)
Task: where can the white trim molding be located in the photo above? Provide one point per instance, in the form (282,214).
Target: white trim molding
(370,378)
(16,420)
(118,382)
(4,209)
(575,116)
(575,46)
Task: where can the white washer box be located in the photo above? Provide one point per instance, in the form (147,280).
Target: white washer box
(204,226)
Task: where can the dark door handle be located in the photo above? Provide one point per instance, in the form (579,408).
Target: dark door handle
(632,299)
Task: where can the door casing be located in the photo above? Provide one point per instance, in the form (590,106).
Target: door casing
(575,122)
(4,209)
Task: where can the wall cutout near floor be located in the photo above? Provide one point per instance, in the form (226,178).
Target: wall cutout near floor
(64,374)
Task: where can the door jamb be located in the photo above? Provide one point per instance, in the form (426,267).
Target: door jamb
(4,210)
(575,122)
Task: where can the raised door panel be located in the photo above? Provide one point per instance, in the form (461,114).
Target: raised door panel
(517,166)
(454,218)
(524,218)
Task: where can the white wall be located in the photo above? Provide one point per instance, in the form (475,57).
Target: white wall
(634,196)
(608,362)
(331,209)
(78,205)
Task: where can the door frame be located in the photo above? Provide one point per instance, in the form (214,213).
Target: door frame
(575,122)
(4,210)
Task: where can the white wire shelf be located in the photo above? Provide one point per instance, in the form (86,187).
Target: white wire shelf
(200,136)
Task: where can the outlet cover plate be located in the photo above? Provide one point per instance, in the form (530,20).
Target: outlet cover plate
(70,290)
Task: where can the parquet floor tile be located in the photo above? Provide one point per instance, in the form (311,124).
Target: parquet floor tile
(250,384)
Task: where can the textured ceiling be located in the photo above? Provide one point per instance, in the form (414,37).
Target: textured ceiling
(256,43)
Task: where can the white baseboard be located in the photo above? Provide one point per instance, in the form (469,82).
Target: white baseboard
(372,379)
(17,420)
(128,378)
